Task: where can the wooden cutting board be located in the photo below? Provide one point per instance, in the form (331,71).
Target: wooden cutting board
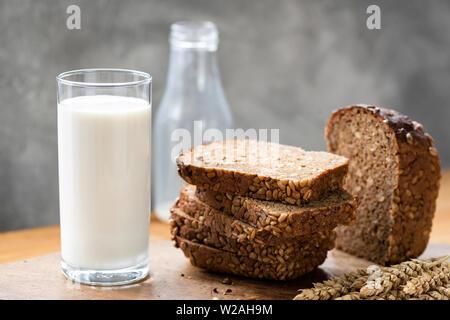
(171,277)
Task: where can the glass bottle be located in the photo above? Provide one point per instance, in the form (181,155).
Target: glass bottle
(193,97)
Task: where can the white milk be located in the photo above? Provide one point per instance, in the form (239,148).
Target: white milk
(104,181)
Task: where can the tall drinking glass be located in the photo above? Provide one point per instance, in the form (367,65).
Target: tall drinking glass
(104,118)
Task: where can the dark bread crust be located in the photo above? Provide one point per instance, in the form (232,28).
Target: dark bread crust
(213,176)
(413,201)
(336,208)
(216,260)
(196,231)
(229,226)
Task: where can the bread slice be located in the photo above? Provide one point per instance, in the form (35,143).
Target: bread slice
(337,207)
(195,230)
(263,170)
(395,171)
(229,226)
(216,260)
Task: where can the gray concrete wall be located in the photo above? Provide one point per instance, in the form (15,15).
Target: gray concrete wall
(285,64)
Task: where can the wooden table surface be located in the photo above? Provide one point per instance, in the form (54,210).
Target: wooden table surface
(171,277)
(24,244)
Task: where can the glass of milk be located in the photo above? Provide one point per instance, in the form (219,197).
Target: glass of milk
(104,127)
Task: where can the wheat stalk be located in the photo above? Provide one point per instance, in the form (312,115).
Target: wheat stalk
(415,279)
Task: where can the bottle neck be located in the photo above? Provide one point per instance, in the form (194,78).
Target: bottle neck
(192,68)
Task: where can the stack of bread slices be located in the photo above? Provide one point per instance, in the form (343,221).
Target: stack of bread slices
(259,209)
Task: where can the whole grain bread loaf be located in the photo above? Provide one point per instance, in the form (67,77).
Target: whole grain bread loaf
(216,260)
(263,170)
(226,224)
(395,171)
(336,208)
(284,251)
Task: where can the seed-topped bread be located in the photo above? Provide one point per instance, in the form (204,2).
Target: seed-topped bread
(337,207)
(317,218)
(216,260)
(263,170)
(395,171)
(282,251)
